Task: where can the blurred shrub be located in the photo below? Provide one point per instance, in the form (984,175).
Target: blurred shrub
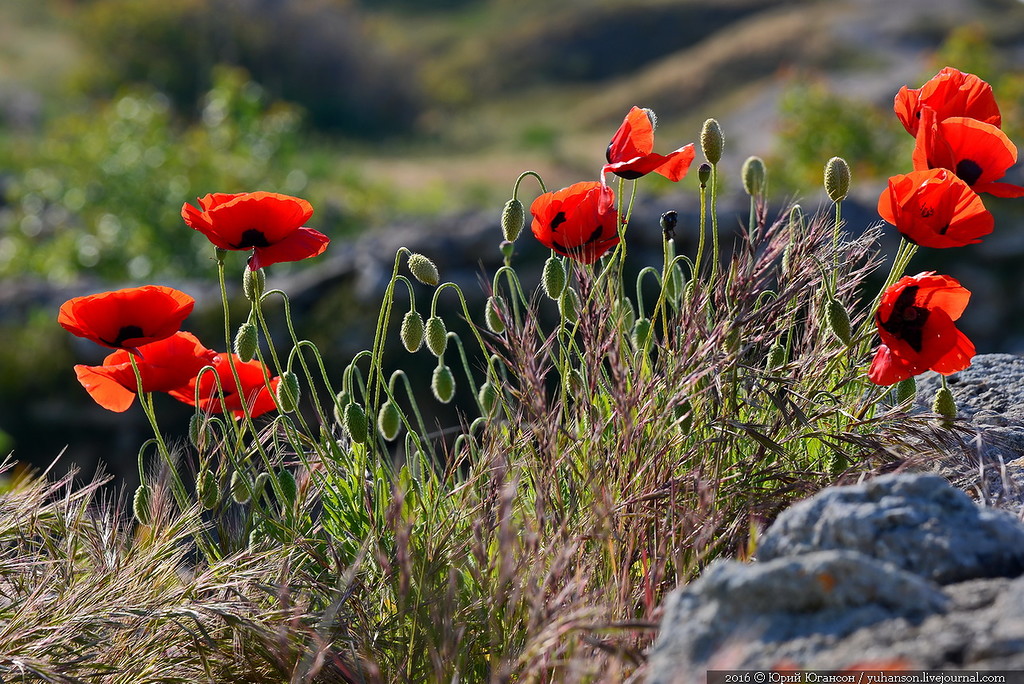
(316,53)
(102,189)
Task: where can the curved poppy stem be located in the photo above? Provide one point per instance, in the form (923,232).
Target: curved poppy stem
(524,174)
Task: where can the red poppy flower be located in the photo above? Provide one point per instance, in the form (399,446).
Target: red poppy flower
(950,92)
(165,365)
(579,221)
(126,319)
(258,396)
(631,154)
(934,208)
(977,152)
(916,323)
(267,223)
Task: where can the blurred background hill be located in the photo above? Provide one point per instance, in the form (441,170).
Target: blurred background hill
(416,113)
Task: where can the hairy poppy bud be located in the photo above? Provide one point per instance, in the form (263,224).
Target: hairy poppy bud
(288,392)
(389,420)
(253,284)
(839,320)
(625,316)
(240,487)
(412,331)
(683,412)
(356,423)
(641,332)
(569,304)
(712,141)
(424,269)
(493,314)
(906,390)
(442,384)
(341,400)
(487,396)
(289,487)
(207,489)
(260,485)
(837,179)
(753,173)
(945,406)
(246,341)
(554,277)
(776,356)
(513,218)
(704,174)
(141,504)
(197,431)
(577,382)
(437,336)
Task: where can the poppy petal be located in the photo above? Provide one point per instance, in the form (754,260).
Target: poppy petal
(634,138)
(888,369)
(950,92)
(302,244)
(104,389)
(128,318)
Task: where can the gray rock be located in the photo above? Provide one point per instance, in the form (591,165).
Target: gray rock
(916,522)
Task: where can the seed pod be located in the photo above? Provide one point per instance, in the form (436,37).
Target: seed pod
(704,174)
(712,142)
(437,336)
(513,218)
(569,305)
(289,488)
(837,179)
(207,489)
(754,174)
(641,332)
(253,284)
(356,423)
(141,504)
(839,321)
(554,277)
(246,341)
(906,390)
(945,406)
(424,270)
(668,221)
(493,314)
(389,420)
(288,392)
(412,331)
(240,487)
(442,384)
(488,398)
(507,249)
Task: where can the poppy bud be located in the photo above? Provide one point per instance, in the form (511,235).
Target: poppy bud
(246,341)
(625,316)
(260,485)
(341,400)
(141,504)
(412,331)
(577,382)
(837,179)
(704,174)
(355,422)
(493,314)
(207,489)
(487,396)
(641,332)
(838,320)
(513,218)
(288,392)
(389,420)
(569,304)
(554,277)
(197,431)
(906,390)
(424,270)
(668,222)
(712,141)
(253,284)
(754,173)
(437,336)
(442,384)
(239,487)
(289,487)
(776,356)
(683,412)
(945,406)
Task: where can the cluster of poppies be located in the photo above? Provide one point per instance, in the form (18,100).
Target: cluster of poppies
(959,152)
(581,221)
(143,324)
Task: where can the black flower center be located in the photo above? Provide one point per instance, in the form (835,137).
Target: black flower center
(969,171)
(252,238)
(558,220)
(127,332)
(907,319)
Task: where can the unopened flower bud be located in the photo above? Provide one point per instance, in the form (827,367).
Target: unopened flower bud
(668,222)
(554,277)
(197,428)
(487,396)
(341,400)
(389,420)
(753,173)
(412,331)
(569,304)
(776,356)
(906,390)
(356,423)
(253,284)
(442,384)
(624,314)
(436,335)
(513,218)
(704,174)
(641,332)
(839,320)
(493,314)
(259,487)
(837,179)
(288,392)
(945,406)
(683,412)
(240,487)
(289,487)
(424,270)
(712,141)
(577,382)
(246,341)
(207,489)
(141,504)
